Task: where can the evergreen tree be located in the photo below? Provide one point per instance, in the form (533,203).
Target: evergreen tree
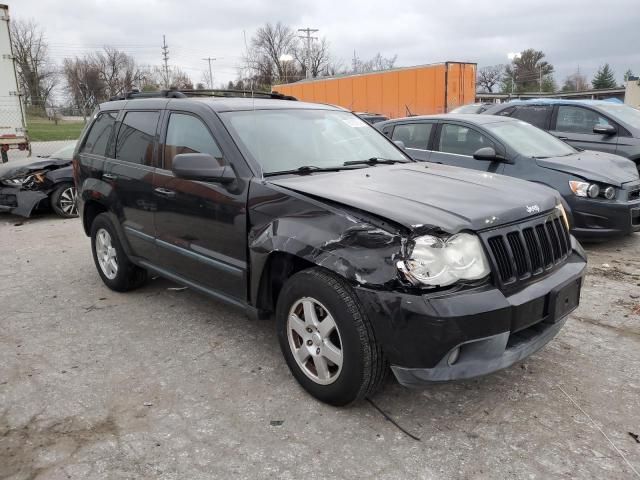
(604,78)
(628,74)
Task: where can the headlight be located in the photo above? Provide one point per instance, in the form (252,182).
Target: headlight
(609,193)
(13,182)
(440,262)
(591,190)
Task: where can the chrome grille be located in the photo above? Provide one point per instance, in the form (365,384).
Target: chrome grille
(521,251)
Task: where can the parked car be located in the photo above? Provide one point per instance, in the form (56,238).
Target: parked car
(586,124)
(472,108)
(600,191)
(372,118)
(31,184)
(306,212)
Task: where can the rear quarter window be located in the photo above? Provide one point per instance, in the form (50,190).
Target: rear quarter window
(135,141)
(536,115)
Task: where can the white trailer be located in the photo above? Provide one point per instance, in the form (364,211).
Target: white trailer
(13,130)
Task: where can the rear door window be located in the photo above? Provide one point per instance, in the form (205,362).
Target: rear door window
(413,135)
(578,119)
(461,140)
(188,134)
(536,115)
(135,141)
(98,136)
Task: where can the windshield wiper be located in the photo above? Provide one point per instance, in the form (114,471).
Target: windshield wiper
(374,161)
(305,170)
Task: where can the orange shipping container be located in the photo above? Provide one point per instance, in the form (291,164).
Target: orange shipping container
(420,90)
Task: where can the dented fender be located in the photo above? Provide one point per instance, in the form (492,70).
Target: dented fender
(20,202)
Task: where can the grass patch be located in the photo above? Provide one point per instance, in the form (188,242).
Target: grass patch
(43,130)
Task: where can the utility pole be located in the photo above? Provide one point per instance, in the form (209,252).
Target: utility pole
(540,78)
(355,62)
(308,31)
(210,59)
(165,59)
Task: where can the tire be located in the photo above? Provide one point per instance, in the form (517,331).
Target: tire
(63,200)
(113,265)
(361,366)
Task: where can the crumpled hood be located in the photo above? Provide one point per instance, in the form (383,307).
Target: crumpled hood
(596,166)
(17,168)
(419,195)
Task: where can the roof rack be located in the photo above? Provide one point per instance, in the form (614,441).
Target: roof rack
(175,93)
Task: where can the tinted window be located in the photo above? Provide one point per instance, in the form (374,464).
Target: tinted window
(462,140)
(99,134)
(413,135)
(135,137)
(188,134)
(506,112)
(537,115)
(578,120)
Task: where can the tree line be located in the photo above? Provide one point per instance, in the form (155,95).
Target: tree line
(530,72)
(275,54)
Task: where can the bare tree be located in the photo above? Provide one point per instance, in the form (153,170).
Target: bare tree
(264,59)
(489,77)
(36,75)
(117,70)
(84,84)
(374,64)
(575,82)
(319,58)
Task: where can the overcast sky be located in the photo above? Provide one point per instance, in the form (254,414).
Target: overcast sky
(572,33)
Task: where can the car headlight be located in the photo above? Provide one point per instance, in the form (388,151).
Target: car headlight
(591,190)
(13,182)
(435,261)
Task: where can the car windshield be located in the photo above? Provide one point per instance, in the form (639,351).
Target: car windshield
(624,113)
(528,140)
(287,139)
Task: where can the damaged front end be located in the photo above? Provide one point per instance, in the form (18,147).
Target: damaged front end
(23,188)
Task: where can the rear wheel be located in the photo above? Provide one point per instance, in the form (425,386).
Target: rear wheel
(63,200)
(326,338)
(114,267)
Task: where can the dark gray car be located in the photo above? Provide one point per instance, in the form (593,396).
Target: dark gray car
(600,191)
(585,124)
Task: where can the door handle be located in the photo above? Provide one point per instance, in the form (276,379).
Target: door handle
(109,176)
(563,138)
(164,192)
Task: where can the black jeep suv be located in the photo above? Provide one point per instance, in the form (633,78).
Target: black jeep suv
(365,257)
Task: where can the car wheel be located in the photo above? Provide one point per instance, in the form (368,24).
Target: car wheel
(326,338)
(115,268)
(63,200)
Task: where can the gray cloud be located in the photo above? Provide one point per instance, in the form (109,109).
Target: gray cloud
(572,33)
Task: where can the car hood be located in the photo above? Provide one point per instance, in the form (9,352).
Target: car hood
(596,166)
(423,195)
(17,168)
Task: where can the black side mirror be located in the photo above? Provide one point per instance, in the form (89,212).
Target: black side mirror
(201,166)
(486,153)
(400,144)
(604,129)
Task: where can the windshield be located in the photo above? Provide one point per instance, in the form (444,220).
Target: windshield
(283,139)
(528,140)
(65,153)
(624,113)
(471,108)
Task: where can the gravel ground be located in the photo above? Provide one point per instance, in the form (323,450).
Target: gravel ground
(162,383)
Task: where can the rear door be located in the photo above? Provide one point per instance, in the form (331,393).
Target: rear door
(455,145)
(416,137)
(201,226)
(574,124)
(130,169)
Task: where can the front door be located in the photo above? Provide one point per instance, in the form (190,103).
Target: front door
(574,124)
(200,226)
(415,136)
(456,144)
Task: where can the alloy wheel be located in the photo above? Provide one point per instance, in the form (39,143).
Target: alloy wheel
(315,341)
(106,254)
(67,201)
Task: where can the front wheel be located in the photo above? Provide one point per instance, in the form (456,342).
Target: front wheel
(63,200)
(326,338)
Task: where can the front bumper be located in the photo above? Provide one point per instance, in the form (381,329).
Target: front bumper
(20,202)
(482,330)
(601,219)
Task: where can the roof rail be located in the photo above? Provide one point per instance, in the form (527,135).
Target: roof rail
(175,93)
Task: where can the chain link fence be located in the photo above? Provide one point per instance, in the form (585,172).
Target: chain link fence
(48,129)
